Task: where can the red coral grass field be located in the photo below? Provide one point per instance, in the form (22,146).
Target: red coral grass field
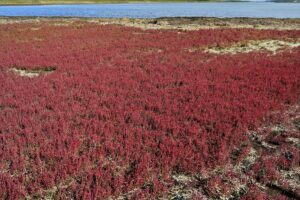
(90,111)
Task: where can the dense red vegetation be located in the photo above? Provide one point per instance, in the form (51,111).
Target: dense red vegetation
(126,109)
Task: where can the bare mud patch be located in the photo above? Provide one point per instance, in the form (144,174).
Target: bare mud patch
(150,50)
(292,177)
(63,23)
(31,73)
(181,189)
(35,28)
(272,46)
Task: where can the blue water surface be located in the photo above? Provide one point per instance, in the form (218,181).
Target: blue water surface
(155,10)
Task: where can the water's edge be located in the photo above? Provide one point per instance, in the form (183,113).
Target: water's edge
(180,23)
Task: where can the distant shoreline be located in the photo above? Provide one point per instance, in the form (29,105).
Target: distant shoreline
(82,2)
(87,2)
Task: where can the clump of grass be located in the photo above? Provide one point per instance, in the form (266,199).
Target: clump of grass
(25,72)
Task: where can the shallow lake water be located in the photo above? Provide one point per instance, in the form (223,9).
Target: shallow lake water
(154,10)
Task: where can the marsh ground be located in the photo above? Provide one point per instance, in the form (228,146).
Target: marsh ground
(172,108)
